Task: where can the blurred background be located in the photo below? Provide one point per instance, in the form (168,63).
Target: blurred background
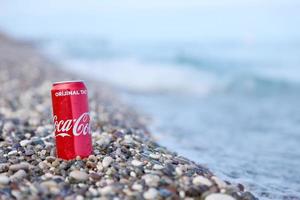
(220,78)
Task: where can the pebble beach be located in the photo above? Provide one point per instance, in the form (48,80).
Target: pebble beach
(127,163)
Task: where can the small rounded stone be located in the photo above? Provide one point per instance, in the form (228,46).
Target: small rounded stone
(151,179)
(79,175)
(218,196)
(4,180)
(151,194)
(201,180)
(107,161)
(136,163)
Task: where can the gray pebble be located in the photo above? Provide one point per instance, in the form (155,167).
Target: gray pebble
(4,180)
(19,175)
(79,175)
(16,167)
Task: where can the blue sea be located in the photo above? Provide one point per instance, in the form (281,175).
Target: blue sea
(220,81)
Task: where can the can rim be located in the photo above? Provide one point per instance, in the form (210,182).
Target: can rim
(72,81)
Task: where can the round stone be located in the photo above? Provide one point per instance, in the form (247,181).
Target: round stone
(79,175)
(4,180)
(19,175)
(201,180)
(221,184)
(151,179)
(24,143)
(218,196)
(16,167)
(136,163)
(158,167)
(3,167)
(151,194)
(107,161)
(137,187)
(155,156)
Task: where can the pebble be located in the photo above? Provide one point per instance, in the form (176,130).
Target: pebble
(12,153)
(217,196)
(8,127)
(201,180)
(128,139)
(151,180)
(106,190)
(155,156)
(24,143)
(104,140)
(220,183)
(19,175)
(16,167)
(158,167)
(107,161)
(151,193)
(136,163)
(4,180)
(137,187)
(95,176)
(178,171)
(4,167)
(79,175)
(51,186)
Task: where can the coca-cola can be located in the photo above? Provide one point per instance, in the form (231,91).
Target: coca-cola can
(71,119)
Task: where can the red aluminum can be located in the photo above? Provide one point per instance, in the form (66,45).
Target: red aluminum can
(71,119)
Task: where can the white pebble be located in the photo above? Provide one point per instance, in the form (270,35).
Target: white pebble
(155,156)
(178,171)
(12,153)
(201,180)
(158,167)
(136,163)
(151,179)
(151,194)
(4,180)
(107,161)
(137,187)
(24,143)
(217,196)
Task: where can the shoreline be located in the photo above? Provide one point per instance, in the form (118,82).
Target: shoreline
(127,162)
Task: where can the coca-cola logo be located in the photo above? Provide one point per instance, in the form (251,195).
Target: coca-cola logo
(80,126)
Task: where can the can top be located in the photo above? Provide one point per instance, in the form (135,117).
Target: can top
(63,82)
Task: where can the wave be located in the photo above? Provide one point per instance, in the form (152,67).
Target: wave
(146,77)
(189,71)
